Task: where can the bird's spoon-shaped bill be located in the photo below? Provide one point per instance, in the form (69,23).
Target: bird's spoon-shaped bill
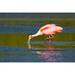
(29,38)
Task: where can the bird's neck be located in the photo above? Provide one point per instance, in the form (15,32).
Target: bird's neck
(34,35)
(37,34)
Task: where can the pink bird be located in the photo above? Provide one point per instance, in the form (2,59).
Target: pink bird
(48,29)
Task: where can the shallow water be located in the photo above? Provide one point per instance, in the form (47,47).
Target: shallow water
(37,55)
(14,36)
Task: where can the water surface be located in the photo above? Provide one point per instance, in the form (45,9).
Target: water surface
(14,32)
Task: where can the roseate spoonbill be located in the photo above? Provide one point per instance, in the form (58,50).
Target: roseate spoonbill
(48,29)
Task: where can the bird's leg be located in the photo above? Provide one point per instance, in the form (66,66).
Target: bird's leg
(50,37)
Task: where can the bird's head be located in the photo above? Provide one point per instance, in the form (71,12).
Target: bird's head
(30,37)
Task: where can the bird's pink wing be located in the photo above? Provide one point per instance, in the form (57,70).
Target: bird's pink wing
(52,28)
(45,28)
(48,29)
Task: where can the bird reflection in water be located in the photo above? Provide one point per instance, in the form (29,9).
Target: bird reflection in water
(49,54)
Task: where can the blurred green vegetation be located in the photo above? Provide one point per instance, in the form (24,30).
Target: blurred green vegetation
(26,22)
(20,40)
